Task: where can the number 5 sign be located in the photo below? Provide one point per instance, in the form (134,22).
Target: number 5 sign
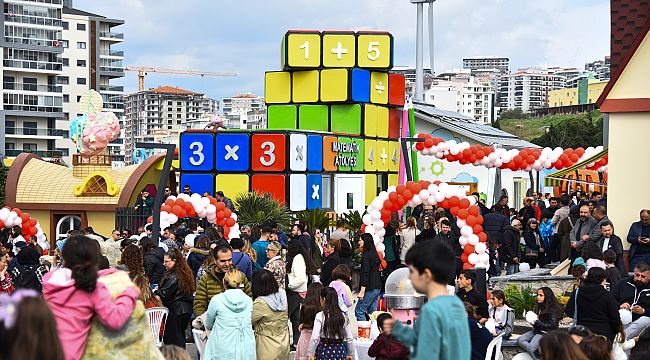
(374,50)
(197,152)
(268,152)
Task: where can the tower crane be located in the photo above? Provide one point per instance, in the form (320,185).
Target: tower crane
(143,70)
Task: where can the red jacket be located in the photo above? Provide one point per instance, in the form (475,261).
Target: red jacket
(388,348)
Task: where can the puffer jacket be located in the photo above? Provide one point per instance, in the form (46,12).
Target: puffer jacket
(153,265)
(196,258)
(209,286)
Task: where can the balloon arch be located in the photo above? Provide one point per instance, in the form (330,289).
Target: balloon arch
(30,227)
(473,239)
(205,207)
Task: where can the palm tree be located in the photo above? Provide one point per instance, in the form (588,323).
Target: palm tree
(254,208)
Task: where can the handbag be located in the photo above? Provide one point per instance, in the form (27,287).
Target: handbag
(531,253)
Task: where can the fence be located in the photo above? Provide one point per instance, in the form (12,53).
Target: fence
(130,218)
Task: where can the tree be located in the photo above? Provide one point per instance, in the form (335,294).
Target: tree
(573,132)
(515,113)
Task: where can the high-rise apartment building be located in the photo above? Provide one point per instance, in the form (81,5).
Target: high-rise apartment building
(157,112)
(91,62)
(529,88)
(600,68)
(32,102)
(244,111)
(465,94)
(487,62)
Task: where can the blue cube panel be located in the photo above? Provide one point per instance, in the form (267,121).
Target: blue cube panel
(314,191)
(197,152)
(199,183)
(360,85)
(233,152)
(314,153)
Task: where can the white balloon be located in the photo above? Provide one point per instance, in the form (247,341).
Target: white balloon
(473,258)
(367,219)
(375,215)
(184,197)
(455,149)
(235,227)
(463,241)
(18,221)
(431,200)
(380,232)
(381,247)
(460,222)
(424,194)
(410,203)
(391,189)
(417,200)
(480,248)
(234,216)
(211,209)
(439,196)
(433,188)
(472,200)
(481,266)
(378,203)
(484,258)
(369,230)
(172,219)
(205,201)
(234,234)
(379,224)
(189,240)
(524,267)
(473,239)
(466,231)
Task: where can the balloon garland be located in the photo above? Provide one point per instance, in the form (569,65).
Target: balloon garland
(196,205)
(526,159)
(473,239)
(31,227)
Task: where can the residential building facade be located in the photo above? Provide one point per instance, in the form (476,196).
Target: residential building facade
(244,111)
(32,102)
(529,88)
(587,92)
(463,94)
(409,76)
(600,68)
(487,62)
(156,113)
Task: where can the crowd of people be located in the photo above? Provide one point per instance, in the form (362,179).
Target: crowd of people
(268,293)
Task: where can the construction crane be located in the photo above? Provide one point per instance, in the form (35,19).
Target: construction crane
(143,70)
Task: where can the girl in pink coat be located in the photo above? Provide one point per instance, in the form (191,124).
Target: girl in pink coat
(74,295)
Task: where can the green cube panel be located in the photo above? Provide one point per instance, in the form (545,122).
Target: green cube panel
(282,117)
(313,117)
(360,160)
(346,119)
(343,140)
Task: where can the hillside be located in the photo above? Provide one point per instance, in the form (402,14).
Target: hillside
(565,128)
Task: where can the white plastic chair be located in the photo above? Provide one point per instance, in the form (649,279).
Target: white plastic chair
(200,345)
(157,316)
(494,348)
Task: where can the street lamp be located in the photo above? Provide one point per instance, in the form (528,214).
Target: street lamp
(419,45)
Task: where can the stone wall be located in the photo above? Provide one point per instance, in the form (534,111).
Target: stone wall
(534,278)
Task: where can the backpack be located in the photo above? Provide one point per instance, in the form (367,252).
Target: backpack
(27,278)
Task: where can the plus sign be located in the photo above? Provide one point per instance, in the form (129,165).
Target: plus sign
(339,51)
(383,156)
(380,87)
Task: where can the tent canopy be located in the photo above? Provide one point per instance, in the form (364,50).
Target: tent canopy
(556,178)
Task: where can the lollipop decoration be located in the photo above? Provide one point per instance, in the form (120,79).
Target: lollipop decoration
(93,130)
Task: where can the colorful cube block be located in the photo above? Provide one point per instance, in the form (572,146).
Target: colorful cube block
(346,119)
(359,162)
(268,152)
(314,191)
(232,152)
(394,153)
(274,184)
(343,158)
(334,86)
(232,184)
(371,188)
(382,121)
(393,179)
(360,89)
(301,49)
(199,183)
(329,155)
(370,120)
(378,87)
(298,152)
(297,192)
(370,155)
(394,121)
(282,117)
(375,50)
(396,89)
(196,152)
(383,158)
(313,117)
(277,87)
(304,87)
(315,153)
(339,49)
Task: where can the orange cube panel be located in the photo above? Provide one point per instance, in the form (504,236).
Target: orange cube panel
(329,156)
(270,183)
(394,119)
(268,152)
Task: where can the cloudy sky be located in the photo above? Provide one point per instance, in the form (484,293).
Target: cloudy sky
(244,36)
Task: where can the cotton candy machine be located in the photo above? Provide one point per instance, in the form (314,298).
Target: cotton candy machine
(401,298)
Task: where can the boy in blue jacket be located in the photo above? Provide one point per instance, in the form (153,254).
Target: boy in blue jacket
(441,331)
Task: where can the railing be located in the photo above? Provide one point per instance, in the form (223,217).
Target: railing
(41,153)
(30,41)
(78,159)
(33,108)
(112,53)
(31,87)
(117,69)
(53,2)
(113,106)
(35,65)
(36,131)
(111,35)
(111,88)
(32,19)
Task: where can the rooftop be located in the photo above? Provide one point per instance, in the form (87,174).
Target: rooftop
(172,90)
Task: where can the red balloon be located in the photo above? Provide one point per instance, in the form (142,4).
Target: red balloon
(467,153)
(180,202)
(419,146)
(150,219)
(385,213)
(188,206)
(388,204)
(2,224)
(454,201)
(471,220)
(444,204)
(363,228)
(183,213)
(25,217)
(226,232)
(169,202)
(400,189)
(464,257)
(482,237)
(479,220)
(454,210)
(467,266)
(393,196)
(574,157)
(408,195)
(192,213)
(230,222)
(177,210)
(469,249)
(517,159)
(477,229)
(166,208)
(221,221)
(401,201)
(530,159)
(474,210)
(428,143)
(463,213)
(396,207)
(221,205)
(17,211)
(415,188)
(32,222)
(220,214)
(227,212)
(425,184)
(386,219)
(463,204)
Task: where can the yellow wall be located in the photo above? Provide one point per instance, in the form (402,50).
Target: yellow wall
(633,82)
(152,176)
(563,97)
(628,191)
(595,89)
(101,221)
(43,218)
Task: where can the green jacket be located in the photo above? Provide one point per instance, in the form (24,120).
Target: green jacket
(210,286)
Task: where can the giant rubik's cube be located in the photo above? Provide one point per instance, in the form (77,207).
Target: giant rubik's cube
(333,109)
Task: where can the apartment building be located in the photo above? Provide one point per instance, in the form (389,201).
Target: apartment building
(529,88)
(90,61)
(600,68)
(32,102)
(487,62)
(465,94)
(409,76)
(244,111)
(155,113)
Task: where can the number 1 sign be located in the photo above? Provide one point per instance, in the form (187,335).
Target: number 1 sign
(197,152)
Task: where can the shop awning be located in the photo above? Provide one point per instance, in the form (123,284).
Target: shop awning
(570,174)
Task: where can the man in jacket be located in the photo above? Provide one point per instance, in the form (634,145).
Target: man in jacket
(446,237)
(580,233)
(528,211)
(609,241)
(509,250)
(211,283)
(639,238)
(561,213)
(467,293)
(144,204)
(221,197)
(633,293)
(550,210)
(495,223)
(600,215)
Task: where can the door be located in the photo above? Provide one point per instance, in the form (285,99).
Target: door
(67,223)
(349,193)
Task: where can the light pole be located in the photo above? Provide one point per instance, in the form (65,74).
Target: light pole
(419,46)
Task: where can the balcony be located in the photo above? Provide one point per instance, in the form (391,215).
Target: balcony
(49,2)
(33,65)
(111,36)
(32,20)
(51,43)
(112,53)
(31,87)
(114,106)
(35,108)
(41,153)
(113,88)
(36,132)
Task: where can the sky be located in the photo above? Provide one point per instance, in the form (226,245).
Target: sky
(244,37)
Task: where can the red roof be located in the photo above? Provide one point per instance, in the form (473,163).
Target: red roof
(171,89)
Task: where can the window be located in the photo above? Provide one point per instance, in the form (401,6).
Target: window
(66,116)
(178,103)
(10,146)
(78,98)
(169,103)
(178,121)
(169,109)
(67,223)
(179,109)
(62,80)
(81,27)
(178,116)
(29,147)
(81,81)
(169,115)
(66,62)
(66,98)
(65,25)
(81,63)
(81,45)
(170,121)
(64,44)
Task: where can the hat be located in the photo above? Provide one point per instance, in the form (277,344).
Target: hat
(579,261)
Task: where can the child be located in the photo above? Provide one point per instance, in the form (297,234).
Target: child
(480,336)
(503,316)
(310,307)
(614,275)
(621,348)
(331,338)
(75,295)
(441,331)
(340,275)
(385,346)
